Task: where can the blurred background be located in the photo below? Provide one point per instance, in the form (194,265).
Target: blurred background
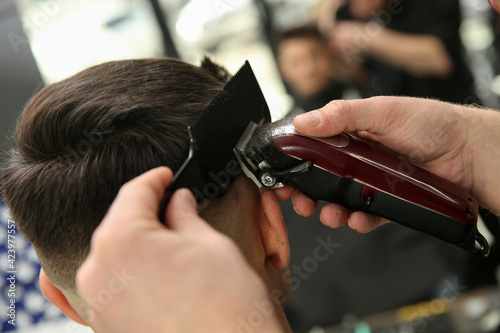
(42,41)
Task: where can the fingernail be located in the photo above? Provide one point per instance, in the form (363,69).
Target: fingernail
(309,119)
(187,196)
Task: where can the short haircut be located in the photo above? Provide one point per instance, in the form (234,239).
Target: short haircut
(305,31)
(79,140)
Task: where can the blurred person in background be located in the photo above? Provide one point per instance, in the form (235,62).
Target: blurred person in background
(406,48)
(306,65)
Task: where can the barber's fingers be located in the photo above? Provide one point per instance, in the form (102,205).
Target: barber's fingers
(332,119)
(283,193)
(372,115)
(182,214)
(334,215)
(302,204)
(138,201)
(140,197)
(364,223)
(134,210)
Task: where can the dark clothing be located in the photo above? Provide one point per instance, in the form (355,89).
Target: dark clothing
(334,91)
(362,274)
(422,17)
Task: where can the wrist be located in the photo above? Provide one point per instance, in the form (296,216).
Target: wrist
(483,154)
(259,319)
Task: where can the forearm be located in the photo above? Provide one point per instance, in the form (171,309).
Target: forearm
(419,55)
(483,149)
(325,15)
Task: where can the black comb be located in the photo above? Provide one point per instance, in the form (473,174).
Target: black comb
(211,167)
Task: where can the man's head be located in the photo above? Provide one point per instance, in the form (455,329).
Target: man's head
(80,139)
(365,9)
(305,61)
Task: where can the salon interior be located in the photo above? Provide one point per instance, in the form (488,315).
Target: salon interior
(392,280)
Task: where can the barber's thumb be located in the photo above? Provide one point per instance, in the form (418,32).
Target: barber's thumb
(323,122)
(182,213)
(311,123)
(308,120)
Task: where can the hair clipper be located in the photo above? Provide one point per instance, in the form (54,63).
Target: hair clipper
(362,176)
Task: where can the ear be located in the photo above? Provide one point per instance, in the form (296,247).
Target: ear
(273,231)
(495,4)
(56,297)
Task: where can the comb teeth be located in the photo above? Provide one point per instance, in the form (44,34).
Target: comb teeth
(216,131)
(220,126)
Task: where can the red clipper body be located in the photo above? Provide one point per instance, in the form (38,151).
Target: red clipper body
(362,176)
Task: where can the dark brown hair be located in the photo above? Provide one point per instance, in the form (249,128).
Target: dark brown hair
(78,140)
(305,31)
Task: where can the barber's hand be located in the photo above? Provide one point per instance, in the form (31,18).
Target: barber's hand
(141,276)
(326,14)
(346,41)
(455,142)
